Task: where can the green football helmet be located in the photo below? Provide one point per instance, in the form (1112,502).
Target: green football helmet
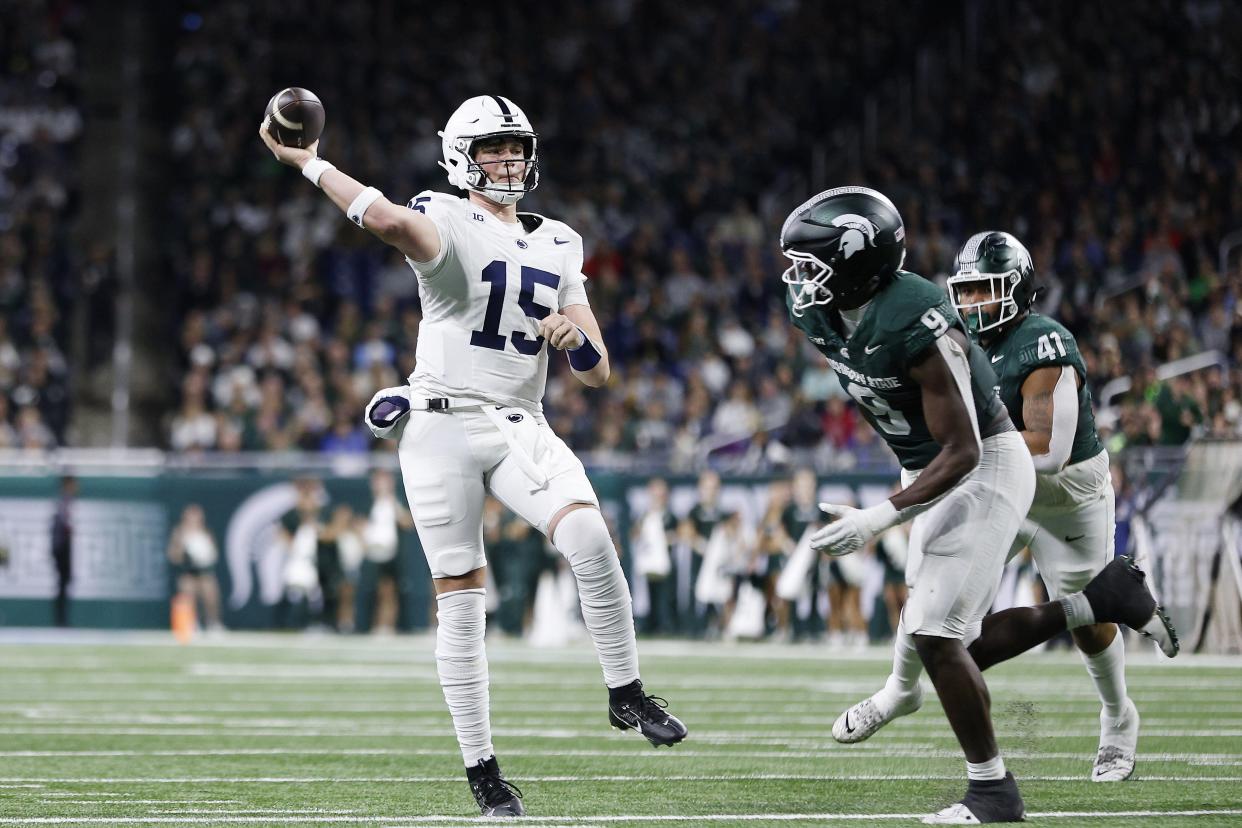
(842,244)
(1003,265)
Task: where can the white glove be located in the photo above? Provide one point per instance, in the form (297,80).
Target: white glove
(853,528)
(387,410)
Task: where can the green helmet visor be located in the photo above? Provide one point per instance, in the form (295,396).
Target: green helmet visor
(984,301)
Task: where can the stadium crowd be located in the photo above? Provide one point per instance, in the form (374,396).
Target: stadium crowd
(40,125)
(678,174)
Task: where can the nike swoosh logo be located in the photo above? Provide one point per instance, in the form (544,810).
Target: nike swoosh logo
(559,241)
(871,349)
(1068,539)
(998,357)
(848,729)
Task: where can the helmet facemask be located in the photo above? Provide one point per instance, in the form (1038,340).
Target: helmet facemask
(807,278)
(975,315)
(470,174)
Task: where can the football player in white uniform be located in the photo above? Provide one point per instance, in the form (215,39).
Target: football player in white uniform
(494,285)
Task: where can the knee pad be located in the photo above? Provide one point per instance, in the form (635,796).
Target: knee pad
(461,622)
(582,537)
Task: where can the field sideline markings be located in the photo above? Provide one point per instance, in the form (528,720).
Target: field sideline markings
(396,821)
(879,751)
(449,779)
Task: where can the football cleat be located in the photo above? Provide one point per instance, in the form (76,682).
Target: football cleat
(1118,742)
(1119,594)
(495,796)
(1160,629)
(986,800)
(630,708)
(860,722)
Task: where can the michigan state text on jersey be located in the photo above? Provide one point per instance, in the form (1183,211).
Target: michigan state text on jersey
(873,364)
(899,349)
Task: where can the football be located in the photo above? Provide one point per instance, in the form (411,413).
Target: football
(297,117)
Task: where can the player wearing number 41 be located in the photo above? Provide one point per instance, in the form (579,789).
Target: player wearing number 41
(1070,527)
(495,284)
(900,350)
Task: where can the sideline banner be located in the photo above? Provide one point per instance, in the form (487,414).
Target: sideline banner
(122,524)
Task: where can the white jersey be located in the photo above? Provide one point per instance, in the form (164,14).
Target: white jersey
(483,296)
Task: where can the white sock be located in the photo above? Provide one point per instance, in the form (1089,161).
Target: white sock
(907,666)
(461,661)
(1107,669)
(994,768)
(1078,612)
(582,537)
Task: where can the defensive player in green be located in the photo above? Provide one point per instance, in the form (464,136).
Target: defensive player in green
(1070,527)
(900,350)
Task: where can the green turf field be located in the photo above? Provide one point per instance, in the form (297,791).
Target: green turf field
(316,730)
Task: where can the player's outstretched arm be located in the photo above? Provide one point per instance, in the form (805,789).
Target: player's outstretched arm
(1050,415)
(944,379)
(575,329)
(412,233)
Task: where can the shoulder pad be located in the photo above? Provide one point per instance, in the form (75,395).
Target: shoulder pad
(906,299)
(531,221)
(443,200)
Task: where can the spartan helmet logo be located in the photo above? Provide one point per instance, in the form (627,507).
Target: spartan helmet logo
(860,233)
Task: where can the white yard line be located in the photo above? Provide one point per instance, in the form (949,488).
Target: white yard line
(854,754)
(395,821)
(724,739)
(454,778)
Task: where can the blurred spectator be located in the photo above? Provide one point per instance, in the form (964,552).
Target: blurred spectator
(41,273)
(517,556)
(193,554)
(695,531)
(800,516)
(62,548)
(381,573)
(775,547)
(1124,222)
(301,527)
(653,534)
(338,563)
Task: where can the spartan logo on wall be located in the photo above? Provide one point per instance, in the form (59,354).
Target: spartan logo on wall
(859,234)
(253,546)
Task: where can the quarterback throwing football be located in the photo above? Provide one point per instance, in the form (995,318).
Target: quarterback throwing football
(499,289)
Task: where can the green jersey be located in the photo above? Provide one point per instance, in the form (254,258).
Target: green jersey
(1033,343)
(900,323)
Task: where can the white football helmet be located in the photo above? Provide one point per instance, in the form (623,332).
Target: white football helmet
(488,116)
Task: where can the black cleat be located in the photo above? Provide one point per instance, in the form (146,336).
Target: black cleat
(629,707)
(495,796)
(986,800)
(1119,594)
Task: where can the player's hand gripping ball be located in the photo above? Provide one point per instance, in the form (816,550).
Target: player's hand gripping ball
(294,117)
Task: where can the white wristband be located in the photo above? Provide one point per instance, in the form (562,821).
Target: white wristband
(358,207)
(315,168)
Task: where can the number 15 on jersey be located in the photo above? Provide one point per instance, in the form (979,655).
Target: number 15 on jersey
(496,274)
